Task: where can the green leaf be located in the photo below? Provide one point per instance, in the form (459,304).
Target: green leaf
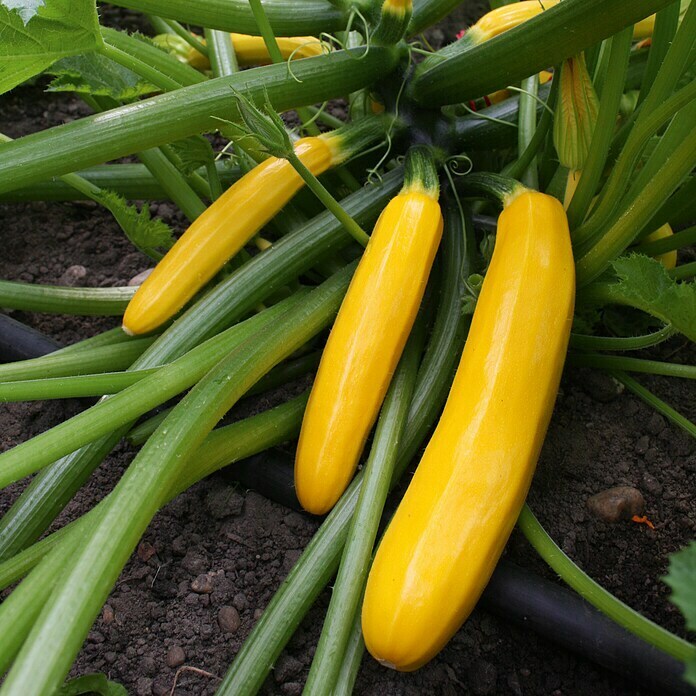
(193,153)
(682,579)
(147,234)
(35,33)
(643,283)
(97,75)
(96,683)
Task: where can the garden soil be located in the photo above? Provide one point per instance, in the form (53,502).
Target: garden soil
(212,559)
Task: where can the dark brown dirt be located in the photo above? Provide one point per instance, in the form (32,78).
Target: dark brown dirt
(212,559)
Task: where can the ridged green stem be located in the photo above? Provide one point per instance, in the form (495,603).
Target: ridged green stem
(184,112)
(684,271)
(678,240)
(619,362)
(526,127)
(596,595)
(586,342)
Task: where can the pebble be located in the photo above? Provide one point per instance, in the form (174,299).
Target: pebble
(73,275)
(175,656)
(107,615)
(618,503)
(228,619)
(140,278)
(203,584)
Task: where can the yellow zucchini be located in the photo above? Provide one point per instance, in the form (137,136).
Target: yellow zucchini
(669,258)
(450,529)
(220,232)
(366,342)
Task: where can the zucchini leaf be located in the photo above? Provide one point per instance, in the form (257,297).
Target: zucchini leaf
(193,153)
(35,33)
(147,234)
(682,579)
(643,283)
(99,76)
(96,683)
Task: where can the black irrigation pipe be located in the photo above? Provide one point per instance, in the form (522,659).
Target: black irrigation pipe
(515,594)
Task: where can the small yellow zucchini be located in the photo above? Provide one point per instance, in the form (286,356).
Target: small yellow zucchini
(220,232)
(669,258)
(449,530)
(368,338)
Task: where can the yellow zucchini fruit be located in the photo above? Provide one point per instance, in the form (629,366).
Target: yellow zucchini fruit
(251,50)
(448,532)
(365,344)
(669,258)
(220,232)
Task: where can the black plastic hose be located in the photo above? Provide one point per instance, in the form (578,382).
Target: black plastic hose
(21,342)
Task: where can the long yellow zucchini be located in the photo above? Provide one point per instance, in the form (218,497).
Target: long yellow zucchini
(450,529)
(368,338)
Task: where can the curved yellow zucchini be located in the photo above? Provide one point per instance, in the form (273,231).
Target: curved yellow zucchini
(364,346)
(219,233)
(669,258)
(450,529)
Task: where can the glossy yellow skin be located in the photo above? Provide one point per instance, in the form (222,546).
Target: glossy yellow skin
(220,232)
(450,529)
(251,50)
(669,259)
(507,17)
(364,347)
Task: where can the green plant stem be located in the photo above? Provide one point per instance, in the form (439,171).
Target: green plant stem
(221,447)
(91,359)
(678,240)
(527,126)
(223,59)
(173,183)
(191,110)
(320,559)
(619,179)
(679,209)
(630,223)
(327,118)
(119,410)
(617,68)
(148,59)
(190,38)
(299,18)
(654,402)
(152,75)
(586,342)
(527,156)
(355,561)
(352,657)
(55,299)
(596,595)
(90,575)
(132,181)
(226,303)
(619,362)
(457,73)
(684,271)
(331,204)
(666,23)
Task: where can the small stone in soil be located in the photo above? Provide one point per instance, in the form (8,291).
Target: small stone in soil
(175,656)
(228,619)
(203,584)
(616,504)
(140,278)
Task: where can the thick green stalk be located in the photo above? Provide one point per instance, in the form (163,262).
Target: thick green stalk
(527,126)
(619,362)
(91,359)
(184,112)
(177,73)
(226,303)
(456,74)
(596,595)
(320,559)
(666,24)
(223,59)
(296,18)
(620,177)
(357,553)
(220,448)
(684,271)
(630,223)
(619,52)
(678,240)
(86,582)
(56,299)
(665,409)
(586,342)
(132,181)
(119,410)
(345,684)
